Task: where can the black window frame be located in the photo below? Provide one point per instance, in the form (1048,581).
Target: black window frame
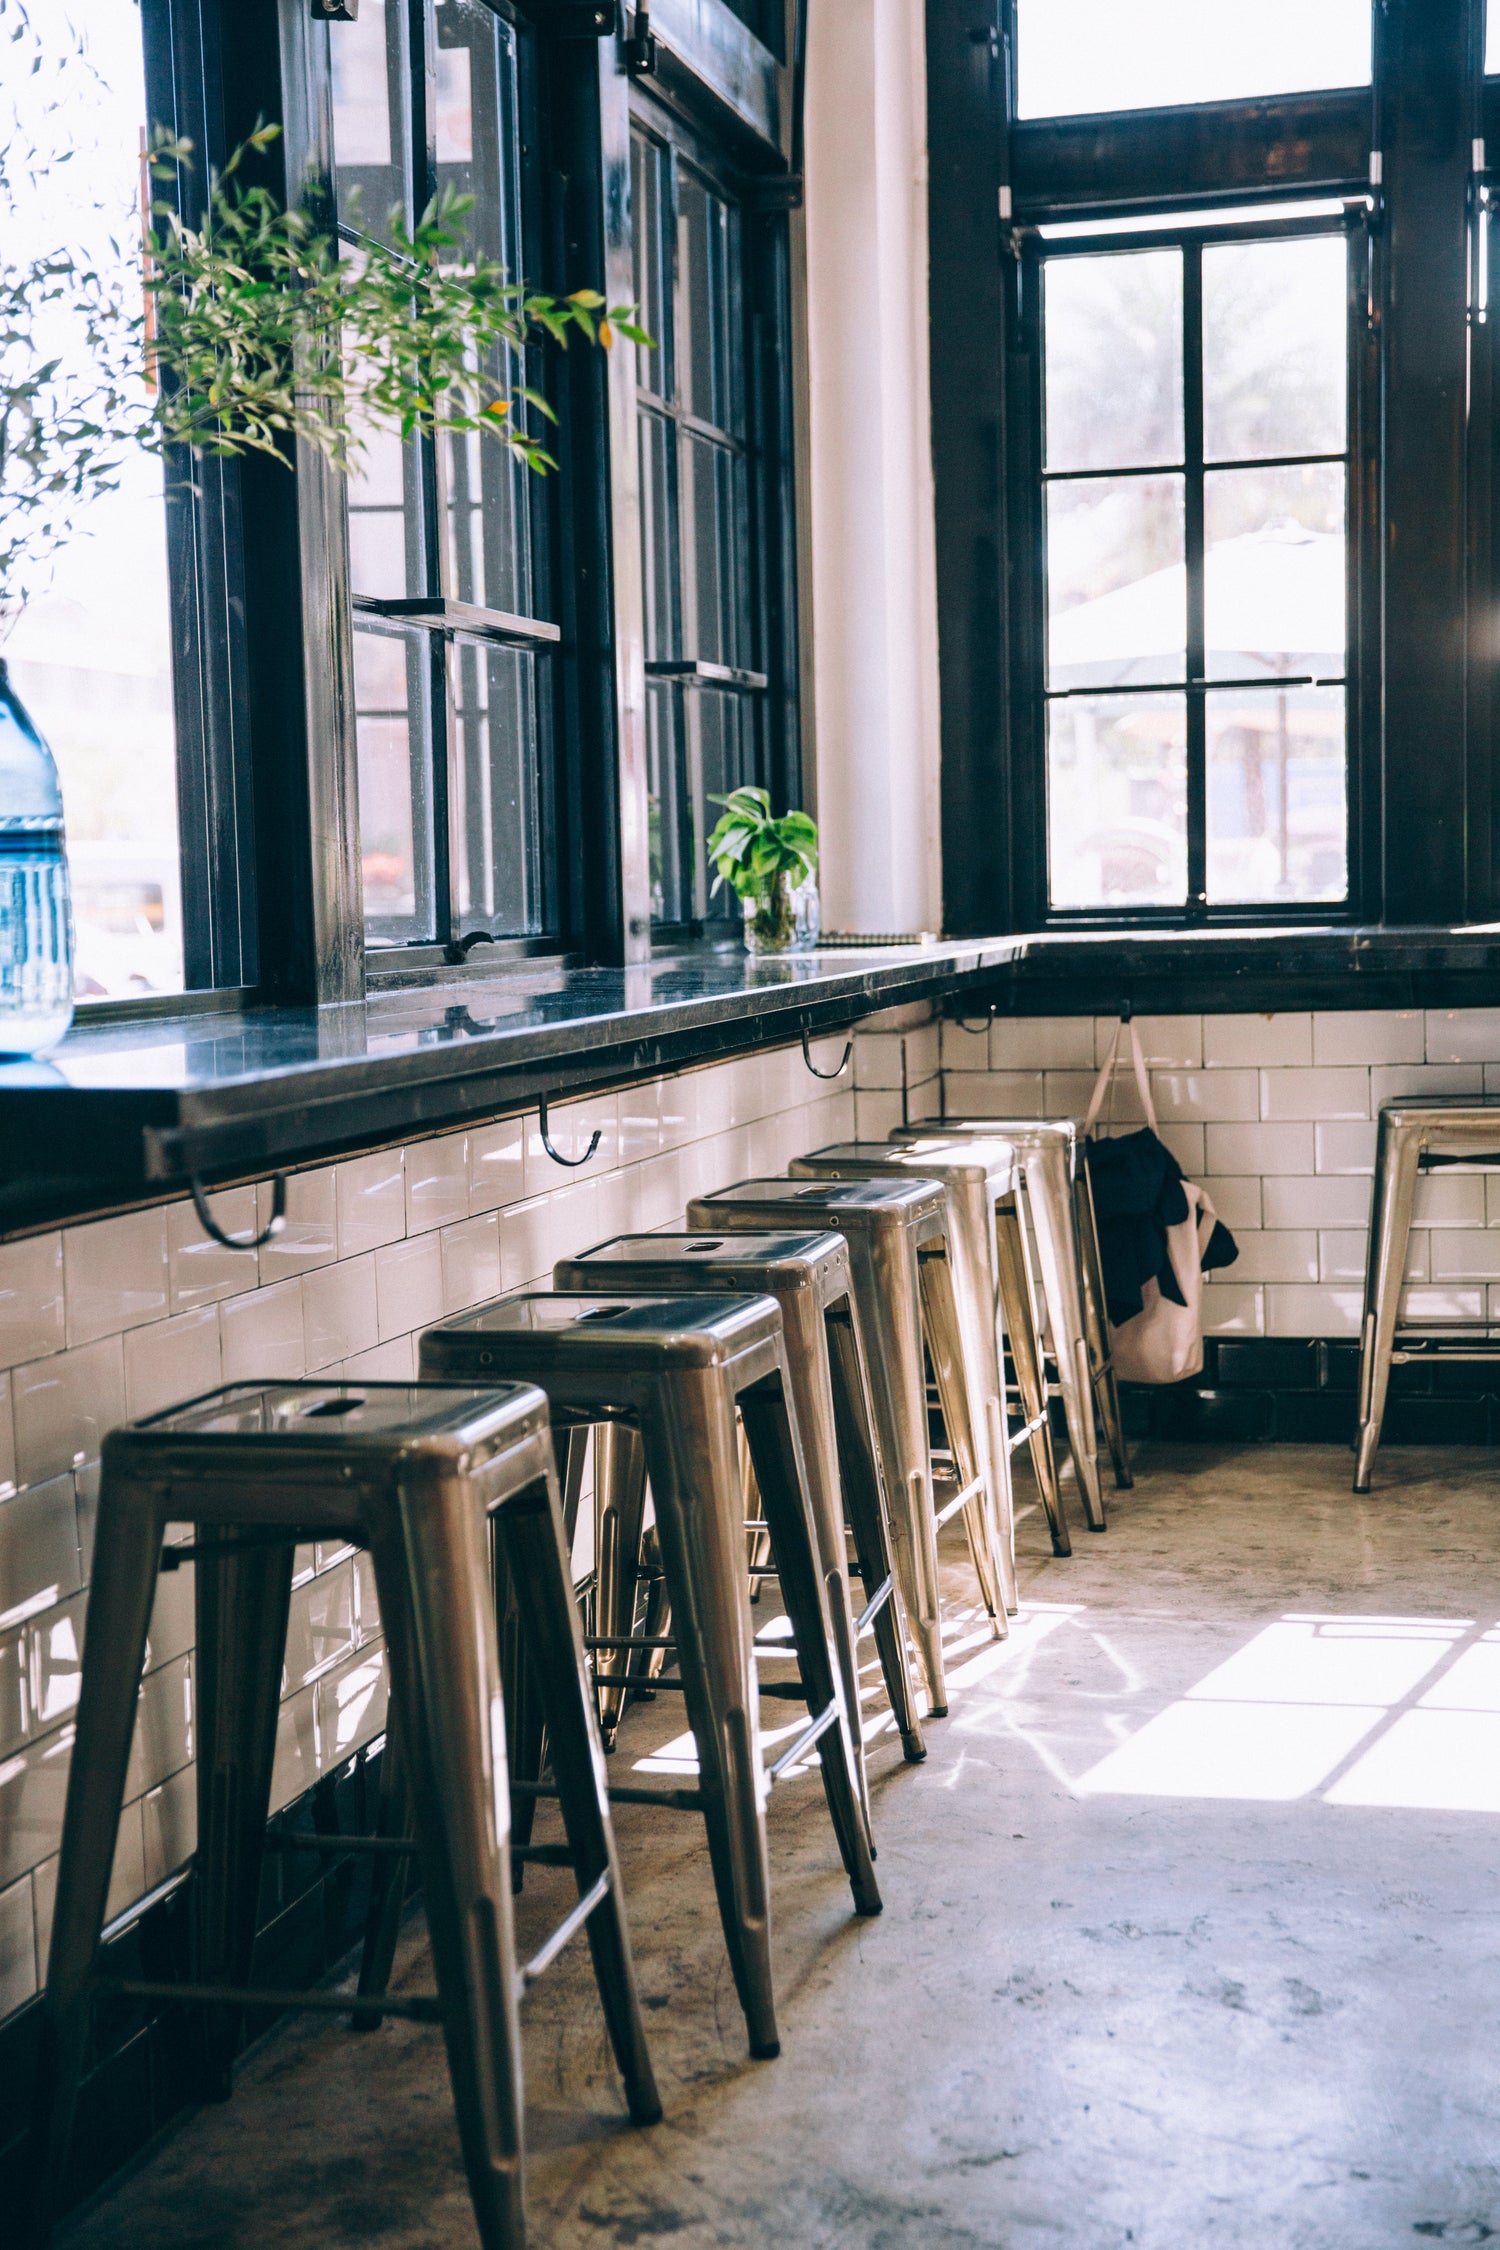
(1030,479)
(676,677)
(262,603)
(439,621)
(1424,835)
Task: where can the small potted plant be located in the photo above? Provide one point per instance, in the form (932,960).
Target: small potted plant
(771,866)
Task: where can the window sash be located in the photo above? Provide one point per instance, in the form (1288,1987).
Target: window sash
(1195,684)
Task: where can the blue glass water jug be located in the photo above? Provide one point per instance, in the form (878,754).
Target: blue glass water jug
(36,910)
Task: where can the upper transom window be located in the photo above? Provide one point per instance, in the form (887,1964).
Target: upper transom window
(1078,56)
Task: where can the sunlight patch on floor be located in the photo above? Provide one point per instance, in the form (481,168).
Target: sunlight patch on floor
(1283,1717)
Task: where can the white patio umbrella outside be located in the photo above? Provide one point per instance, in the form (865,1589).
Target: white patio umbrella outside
(1273,608)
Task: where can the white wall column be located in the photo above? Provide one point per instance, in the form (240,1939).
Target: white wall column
(874,582)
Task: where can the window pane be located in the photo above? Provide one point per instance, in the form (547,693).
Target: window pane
(712,523)
(651,189)
(720,758)
(670,826)
(1274,595)
(478,154)
(385,518)
(1275,321)
(91,653)
(370,130)
(707,255)
(393,703)
(1492,39)
(1116,582)
(1114,360)
(1117,800)
(659,535)
(496,808)
(1074,56)
(1277,795)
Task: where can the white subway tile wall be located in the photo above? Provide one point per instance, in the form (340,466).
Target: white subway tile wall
(129,1315)
(1276,1116)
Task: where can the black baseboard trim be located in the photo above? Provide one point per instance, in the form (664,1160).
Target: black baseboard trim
(1269,1390)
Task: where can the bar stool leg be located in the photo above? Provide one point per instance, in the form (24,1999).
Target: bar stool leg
(1096,1328)
(1049,1194)
(1019,1314)
(971,1447)
(387,1876)
(864,1500)
(809,1383)
(890,1316)
(532,1552)
(690,1444)
(437,1605)
(1398,1156)
(244,1597)
(779,1469)
(127,1555)
(620,1505)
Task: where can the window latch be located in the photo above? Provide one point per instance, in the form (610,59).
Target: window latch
(335,11)
(597,19)
(639,47)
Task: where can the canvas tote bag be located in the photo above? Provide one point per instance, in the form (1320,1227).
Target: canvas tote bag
(1163,1342)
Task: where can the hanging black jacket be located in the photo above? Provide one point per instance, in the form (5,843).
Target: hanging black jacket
(1137,1184)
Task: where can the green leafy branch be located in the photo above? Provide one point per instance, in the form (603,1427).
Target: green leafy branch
(255,330)
(263,328)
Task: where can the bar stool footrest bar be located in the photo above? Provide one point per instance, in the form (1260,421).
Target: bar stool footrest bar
(567,1929)
(865,1622)
(419,2008)
(810,1734)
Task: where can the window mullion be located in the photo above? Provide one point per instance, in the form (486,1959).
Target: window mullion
(1192,433)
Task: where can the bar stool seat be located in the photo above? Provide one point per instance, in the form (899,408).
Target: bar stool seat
(1411,1136)
(424,1476)
(677,1370)
(1061,1206)
(898,1230)
(810,1278)
(993,1294)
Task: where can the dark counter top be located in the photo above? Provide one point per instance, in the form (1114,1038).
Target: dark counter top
(123,1109)
(120,1107)
(1225,971)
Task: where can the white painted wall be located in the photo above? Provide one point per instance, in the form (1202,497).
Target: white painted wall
(874,573)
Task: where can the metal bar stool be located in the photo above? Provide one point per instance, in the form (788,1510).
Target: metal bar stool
(809,1276)
(1061,1205)
(1412,1135)
(897,1229)
(424,1476)
(980,1180)
(677,1369)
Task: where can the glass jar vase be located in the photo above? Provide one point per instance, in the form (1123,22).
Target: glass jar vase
(787,918)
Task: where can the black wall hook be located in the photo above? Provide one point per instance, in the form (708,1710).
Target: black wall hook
(216,1233)
(571,1163)
(812,1066)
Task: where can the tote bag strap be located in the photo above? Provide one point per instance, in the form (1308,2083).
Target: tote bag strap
(1143,1083)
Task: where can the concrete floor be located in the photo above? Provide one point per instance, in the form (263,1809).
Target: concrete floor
(1191,1937)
